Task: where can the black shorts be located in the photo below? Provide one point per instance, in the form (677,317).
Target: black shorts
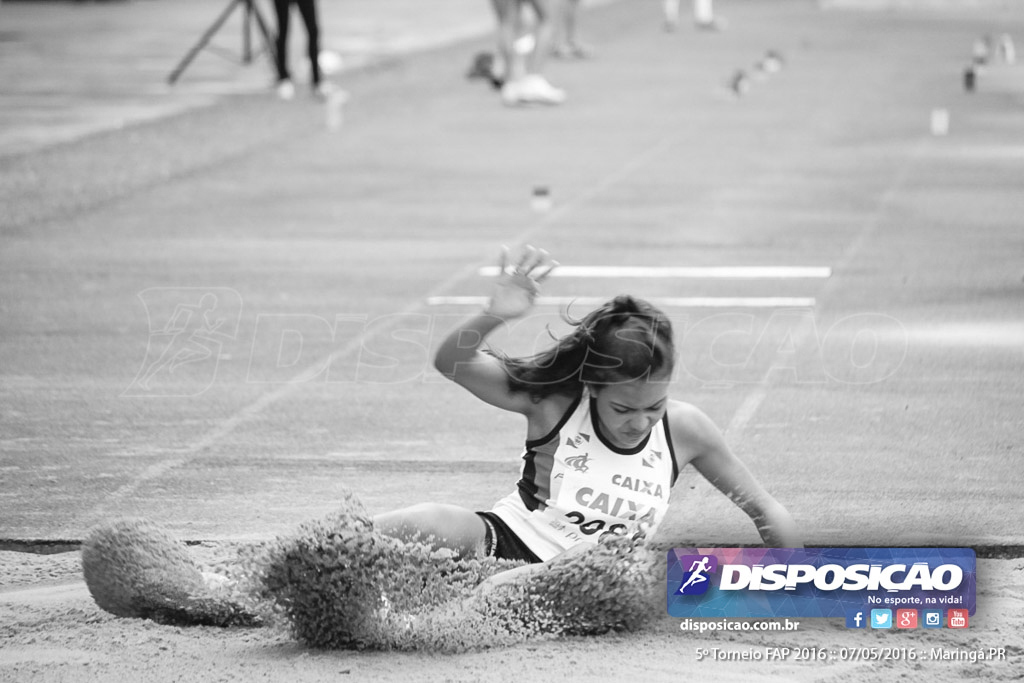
(502,543)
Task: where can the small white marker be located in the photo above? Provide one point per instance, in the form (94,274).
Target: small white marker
(334,107)
(541,200)
(940,122)
(1007,50)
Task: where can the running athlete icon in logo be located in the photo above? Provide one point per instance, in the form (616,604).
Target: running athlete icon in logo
(191,335)
(190,328)
(700,566)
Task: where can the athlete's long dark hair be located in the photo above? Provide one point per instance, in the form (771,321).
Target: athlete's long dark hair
(623,340)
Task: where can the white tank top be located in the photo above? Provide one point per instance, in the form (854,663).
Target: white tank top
(576,485)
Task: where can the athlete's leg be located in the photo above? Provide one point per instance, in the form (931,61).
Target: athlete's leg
(567,41)
(308,10)
(544,33)
(507,14)
(281,8)
(437,524)
(523,573)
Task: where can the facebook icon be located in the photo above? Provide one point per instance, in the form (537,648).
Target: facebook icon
(856,619)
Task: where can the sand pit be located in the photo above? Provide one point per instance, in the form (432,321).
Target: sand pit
(52,630)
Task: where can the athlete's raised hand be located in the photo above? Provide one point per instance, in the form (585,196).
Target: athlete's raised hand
(519,281)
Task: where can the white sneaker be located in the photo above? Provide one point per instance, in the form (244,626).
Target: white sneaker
(510,92)
(536,89)
(531,89)
(285,89)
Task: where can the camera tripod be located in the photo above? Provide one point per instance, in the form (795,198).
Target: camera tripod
(251,14)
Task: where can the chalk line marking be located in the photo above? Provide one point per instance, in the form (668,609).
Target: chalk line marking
(668,302)
(747,409)
(685,272)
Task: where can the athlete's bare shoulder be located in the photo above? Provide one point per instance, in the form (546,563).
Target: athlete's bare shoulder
(685,415)
(693,432)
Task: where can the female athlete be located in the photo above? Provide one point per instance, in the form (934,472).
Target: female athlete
(604,441)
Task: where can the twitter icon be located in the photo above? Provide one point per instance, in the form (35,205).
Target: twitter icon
(881,618)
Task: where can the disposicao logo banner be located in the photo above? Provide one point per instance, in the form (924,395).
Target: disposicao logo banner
(817,582)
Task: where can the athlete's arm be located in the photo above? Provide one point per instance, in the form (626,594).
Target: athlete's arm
(459,357)
(705,448)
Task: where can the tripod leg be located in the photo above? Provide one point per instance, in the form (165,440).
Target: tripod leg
(202,42)
(268,38)
(246,38)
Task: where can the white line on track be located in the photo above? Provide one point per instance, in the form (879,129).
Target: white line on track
(685,272)
(667,302)
(35,594)
(983,153)
(745,412)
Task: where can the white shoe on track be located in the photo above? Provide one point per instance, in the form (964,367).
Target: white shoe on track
(531,89)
